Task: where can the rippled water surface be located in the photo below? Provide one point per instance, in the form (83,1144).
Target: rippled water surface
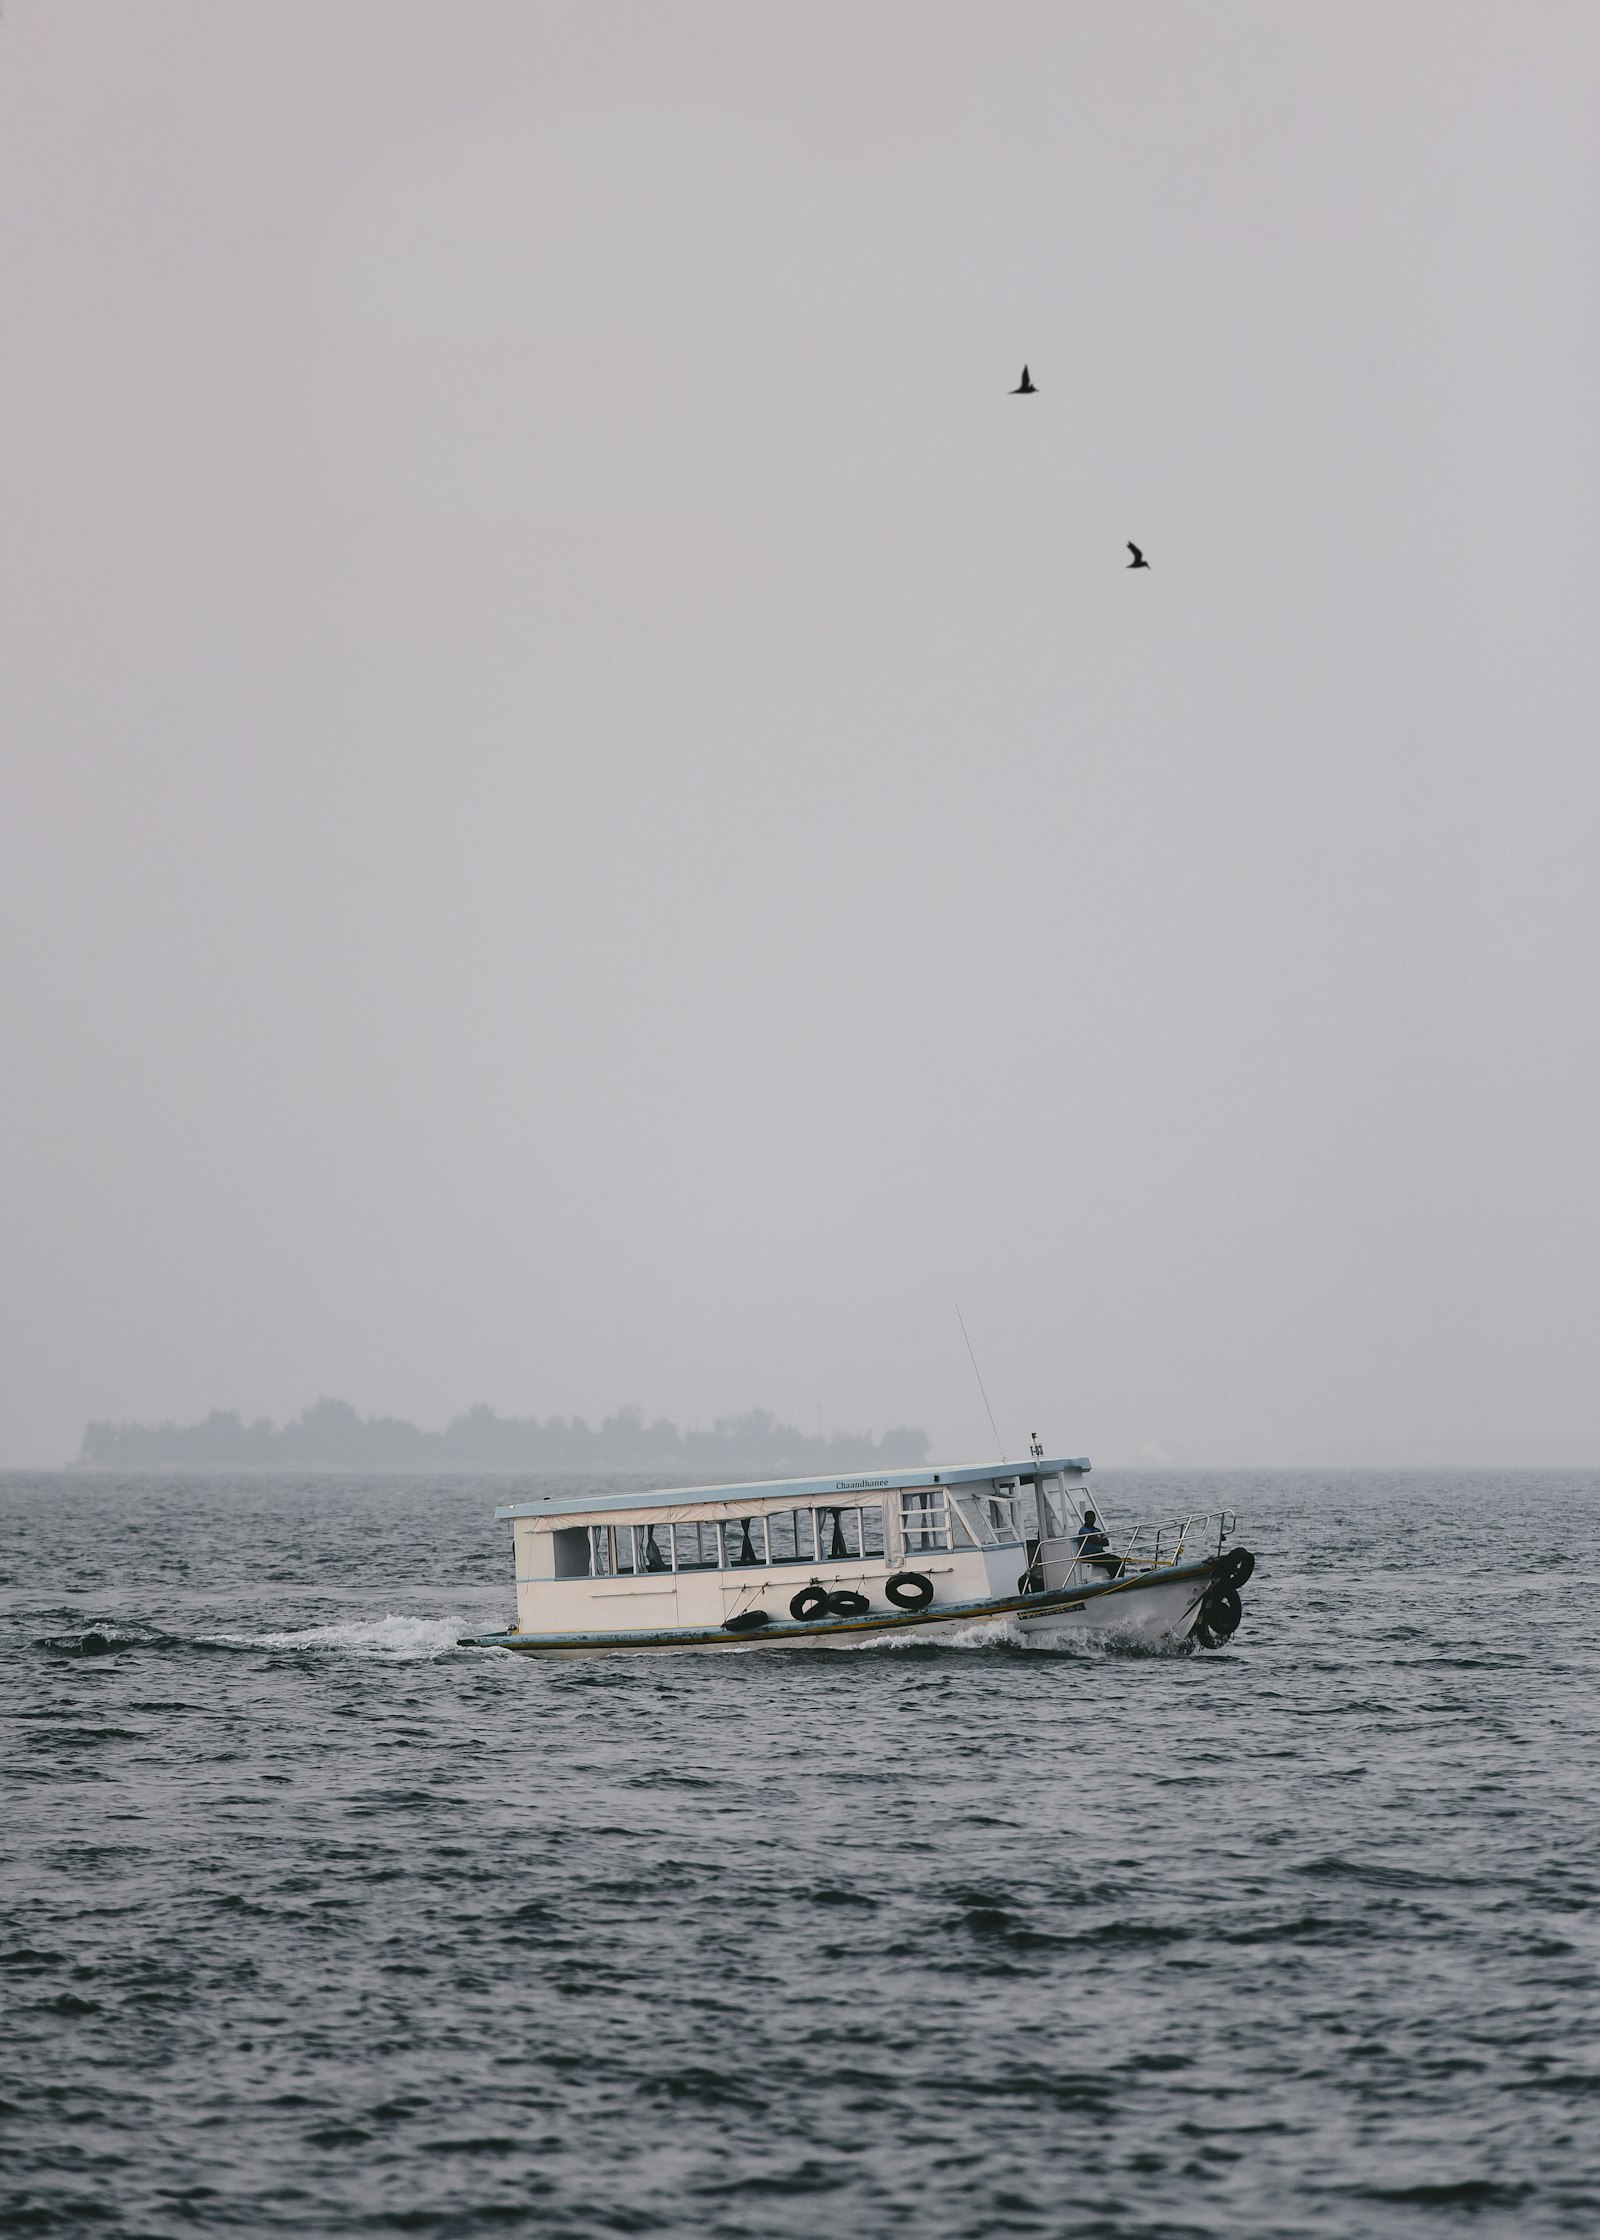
(317,1924)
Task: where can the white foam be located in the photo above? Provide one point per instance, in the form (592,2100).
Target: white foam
(983,1633)
(1005,1633)
(403,1639)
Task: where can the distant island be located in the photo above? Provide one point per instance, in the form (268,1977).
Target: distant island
(331,1436)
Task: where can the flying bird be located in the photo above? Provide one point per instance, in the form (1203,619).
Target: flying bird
(1138,560)
(1025,387)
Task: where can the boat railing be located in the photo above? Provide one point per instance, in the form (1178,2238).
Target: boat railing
(1161,1547)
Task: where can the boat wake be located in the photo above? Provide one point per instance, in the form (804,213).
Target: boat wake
(105,1638)
(399,1640)
(394,1639)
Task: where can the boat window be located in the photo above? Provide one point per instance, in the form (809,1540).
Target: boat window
(1000,1513)
(613,1549)
(572,1551)
(838,1534)
(744,1540)
(846,1534)
(924,1520)
(791,1536)
(834,1534)
(696,1545)
(1053,1508)
(652,1547)
(975,1510)
(968,1513)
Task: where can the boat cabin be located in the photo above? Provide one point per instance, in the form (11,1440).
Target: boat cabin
(608,1562)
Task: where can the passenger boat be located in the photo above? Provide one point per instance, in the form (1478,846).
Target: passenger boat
(921,1555)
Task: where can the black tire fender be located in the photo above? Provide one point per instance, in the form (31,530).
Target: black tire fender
(811,1602)
(848,1604)
(909,1590)
(1219,1616)
(747,1621)
(1235,1568)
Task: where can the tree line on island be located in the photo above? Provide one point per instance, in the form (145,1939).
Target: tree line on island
(331,1435)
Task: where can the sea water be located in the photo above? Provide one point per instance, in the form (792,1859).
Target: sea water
(317,1924)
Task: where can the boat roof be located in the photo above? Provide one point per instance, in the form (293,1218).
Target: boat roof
(796,1489)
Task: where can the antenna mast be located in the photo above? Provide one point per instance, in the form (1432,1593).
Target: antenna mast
(978,1373)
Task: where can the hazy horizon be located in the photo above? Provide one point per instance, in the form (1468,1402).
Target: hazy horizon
(845,1449)
(589,810)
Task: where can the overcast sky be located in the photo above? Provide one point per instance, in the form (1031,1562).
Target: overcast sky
(591,814)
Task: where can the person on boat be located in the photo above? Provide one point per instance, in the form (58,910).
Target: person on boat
(1092,1542)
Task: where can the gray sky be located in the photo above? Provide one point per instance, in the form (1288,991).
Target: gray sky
(590,814)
